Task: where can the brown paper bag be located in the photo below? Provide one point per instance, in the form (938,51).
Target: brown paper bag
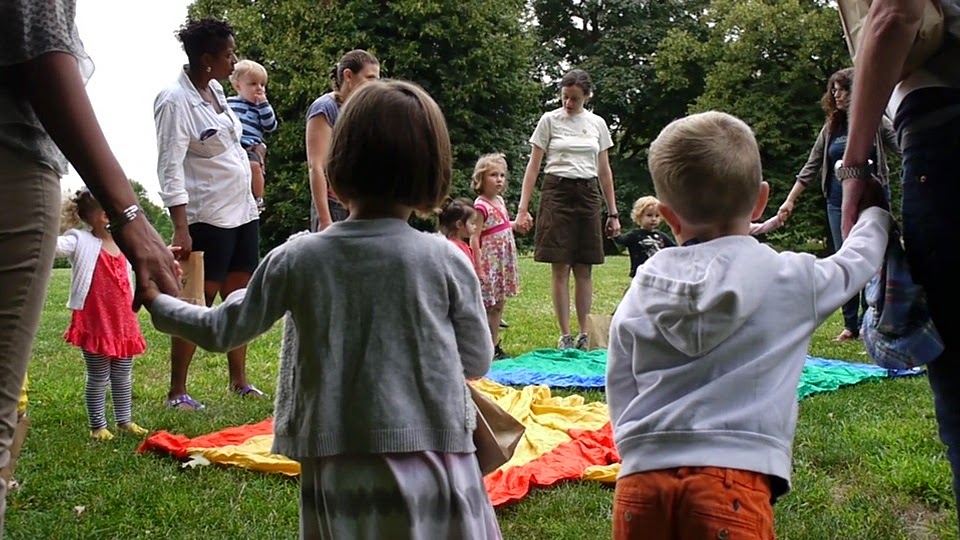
(191,282)
(598,331)
(19,435)
(497,433)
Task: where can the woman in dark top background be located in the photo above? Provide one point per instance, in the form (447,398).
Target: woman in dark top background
(827,150)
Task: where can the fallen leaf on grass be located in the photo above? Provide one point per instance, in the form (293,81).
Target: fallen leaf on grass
(196,460)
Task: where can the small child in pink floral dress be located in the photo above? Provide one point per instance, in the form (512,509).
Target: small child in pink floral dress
(103,324)
(495,248)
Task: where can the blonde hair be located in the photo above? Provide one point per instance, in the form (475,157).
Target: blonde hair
(77,209)
(484,164)
(247,67)
(391,144)
(706,168)
(641,205)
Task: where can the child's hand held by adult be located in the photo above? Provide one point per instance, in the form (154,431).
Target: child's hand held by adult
(524,221)
(853,190)
(182,244)
(783,216)
(150,293)
(873,195)
(785,211)
(151,259)
(613,226)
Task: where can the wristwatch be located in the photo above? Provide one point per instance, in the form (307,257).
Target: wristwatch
(855,171)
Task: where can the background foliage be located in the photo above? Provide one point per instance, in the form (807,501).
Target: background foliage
(492,66)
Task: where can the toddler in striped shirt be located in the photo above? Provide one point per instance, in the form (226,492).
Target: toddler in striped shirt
(250,105)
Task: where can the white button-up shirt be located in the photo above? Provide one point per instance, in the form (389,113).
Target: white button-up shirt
(200,162)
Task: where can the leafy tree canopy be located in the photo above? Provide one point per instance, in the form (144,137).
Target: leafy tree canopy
(767,62)
(474,58)
(491,65)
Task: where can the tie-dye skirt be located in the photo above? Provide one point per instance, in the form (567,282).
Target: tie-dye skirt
(422,495)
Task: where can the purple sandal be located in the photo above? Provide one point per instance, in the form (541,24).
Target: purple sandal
(249,391)
(184,402)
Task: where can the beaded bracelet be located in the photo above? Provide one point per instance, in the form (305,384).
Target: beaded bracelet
(129,214)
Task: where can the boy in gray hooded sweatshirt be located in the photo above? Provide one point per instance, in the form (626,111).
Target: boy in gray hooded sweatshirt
(707,346)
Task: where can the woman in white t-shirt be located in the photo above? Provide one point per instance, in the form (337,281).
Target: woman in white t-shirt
(572,142)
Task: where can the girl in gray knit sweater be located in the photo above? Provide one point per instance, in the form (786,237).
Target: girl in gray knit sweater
(385,325)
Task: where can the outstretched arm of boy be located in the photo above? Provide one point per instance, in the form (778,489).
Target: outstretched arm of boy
(624,239)
(840,276)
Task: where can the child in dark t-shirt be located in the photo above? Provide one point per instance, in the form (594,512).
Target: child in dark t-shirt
(646,239)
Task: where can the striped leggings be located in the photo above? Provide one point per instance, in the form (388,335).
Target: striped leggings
(101,370)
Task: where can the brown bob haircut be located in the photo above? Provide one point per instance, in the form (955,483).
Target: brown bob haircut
(391,144)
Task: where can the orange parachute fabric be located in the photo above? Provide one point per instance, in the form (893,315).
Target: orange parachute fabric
(566,439)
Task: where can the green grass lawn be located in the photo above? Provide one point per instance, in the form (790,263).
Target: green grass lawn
(868,464)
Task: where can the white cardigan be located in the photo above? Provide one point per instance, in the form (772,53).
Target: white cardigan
(82,249)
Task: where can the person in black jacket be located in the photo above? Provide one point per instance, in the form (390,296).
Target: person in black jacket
(646,239)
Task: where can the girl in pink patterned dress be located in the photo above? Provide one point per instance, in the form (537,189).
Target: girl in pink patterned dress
(103,325)
(493,244)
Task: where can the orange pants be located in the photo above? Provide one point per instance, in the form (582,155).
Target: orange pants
(695,503)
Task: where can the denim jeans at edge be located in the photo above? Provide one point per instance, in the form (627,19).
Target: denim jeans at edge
(854,308)
(931,234)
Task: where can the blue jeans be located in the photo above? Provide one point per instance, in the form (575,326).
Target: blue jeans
(931,233)
(854,308)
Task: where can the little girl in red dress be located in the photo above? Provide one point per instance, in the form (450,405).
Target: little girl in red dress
(103,325)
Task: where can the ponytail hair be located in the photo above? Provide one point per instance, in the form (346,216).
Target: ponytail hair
(354,60)
(77,210)
(452,211)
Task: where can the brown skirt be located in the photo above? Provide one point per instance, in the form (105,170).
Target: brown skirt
(569,229)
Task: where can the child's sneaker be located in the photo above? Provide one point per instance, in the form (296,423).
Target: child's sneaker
(582,342)
(102,434)
(132,429)
(499,353)
(566,342)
